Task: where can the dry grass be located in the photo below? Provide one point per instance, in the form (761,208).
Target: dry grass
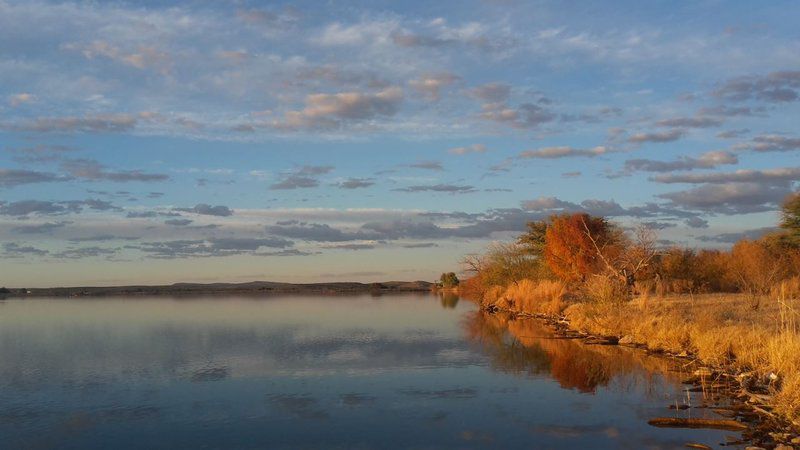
(528,296)
(720,329)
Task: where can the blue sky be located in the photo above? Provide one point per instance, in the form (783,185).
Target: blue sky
(152,142)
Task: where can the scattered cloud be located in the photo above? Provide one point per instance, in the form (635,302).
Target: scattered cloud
(563,152)
(449,188)
(303,177)
(427,165)
(355,183)
(474,148)
(743,175)
(774,87)
(91,170)
(708,160)
(17,177)
(205,209)
(431,85)
(657,137)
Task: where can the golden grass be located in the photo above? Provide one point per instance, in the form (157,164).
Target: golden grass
(720,329)
(528,296)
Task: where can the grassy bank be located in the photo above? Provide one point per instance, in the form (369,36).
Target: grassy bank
(722,330)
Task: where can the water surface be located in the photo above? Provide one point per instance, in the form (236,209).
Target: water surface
(400,371)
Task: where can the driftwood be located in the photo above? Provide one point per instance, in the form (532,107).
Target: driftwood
(697,445)
(674,422)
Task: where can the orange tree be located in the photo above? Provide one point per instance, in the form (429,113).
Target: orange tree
(578,245)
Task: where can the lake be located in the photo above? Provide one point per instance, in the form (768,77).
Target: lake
(394,371)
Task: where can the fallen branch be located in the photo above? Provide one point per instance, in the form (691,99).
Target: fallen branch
(718,424)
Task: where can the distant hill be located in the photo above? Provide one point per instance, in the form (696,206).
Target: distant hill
(254,287)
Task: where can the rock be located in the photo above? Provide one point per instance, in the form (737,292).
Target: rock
(754,448)
(784,447)
(796,440)
(626,340)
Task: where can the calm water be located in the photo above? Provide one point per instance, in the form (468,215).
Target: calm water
(406,371)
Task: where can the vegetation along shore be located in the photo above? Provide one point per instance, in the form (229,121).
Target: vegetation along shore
(735,311)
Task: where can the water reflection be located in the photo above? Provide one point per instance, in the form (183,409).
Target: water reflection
(449,300)
(404,371)
(526,346)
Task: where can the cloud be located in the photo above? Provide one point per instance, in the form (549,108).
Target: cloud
(427,165)
(17,177)
(92,170)
(97,123)
(743,175)
(491,92)
(449,188)
(562,152)
(663,136)
(144,57)
(26,207)
(730,198)
(609,208)
(303,177)
(205,209)
(355,183)
(178,222)
(775,87)
(41,228)
(350,246)
(730,238)
(324,111)
(526,115)
(474,148)
(421,245)
(40,153)
(696,222)
(15,250)
(690,122)
(430,85)
(19,99)
(770,143)
(547,203)
(731,134)
(85,252)
(213,247)
(315,232)
(707,160)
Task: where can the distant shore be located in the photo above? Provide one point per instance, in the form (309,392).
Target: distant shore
(255,287)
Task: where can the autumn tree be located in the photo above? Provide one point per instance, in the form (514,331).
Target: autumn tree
(579,245)
(756,267)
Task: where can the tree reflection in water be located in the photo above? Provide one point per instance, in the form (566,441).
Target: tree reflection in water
(529,347)
(449,300)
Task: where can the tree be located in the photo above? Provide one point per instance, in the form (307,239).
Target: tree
(448,280)
(756,267)
(533,240)
(580,245)
(790,219)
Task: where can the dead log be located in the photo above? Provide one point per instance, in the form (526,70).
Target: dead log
(717,424)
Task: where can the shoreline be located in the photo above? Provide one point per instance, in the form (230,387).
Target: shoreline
(253,288)
(770,430)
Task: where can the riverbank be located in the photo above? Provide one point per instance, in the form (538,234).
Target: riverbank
(251,288)
(750,354)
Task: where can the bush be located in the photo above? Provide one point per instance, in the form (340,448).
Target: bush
(606,290)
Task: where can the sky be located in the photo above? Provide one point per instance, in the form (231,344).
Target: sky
(156,142)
